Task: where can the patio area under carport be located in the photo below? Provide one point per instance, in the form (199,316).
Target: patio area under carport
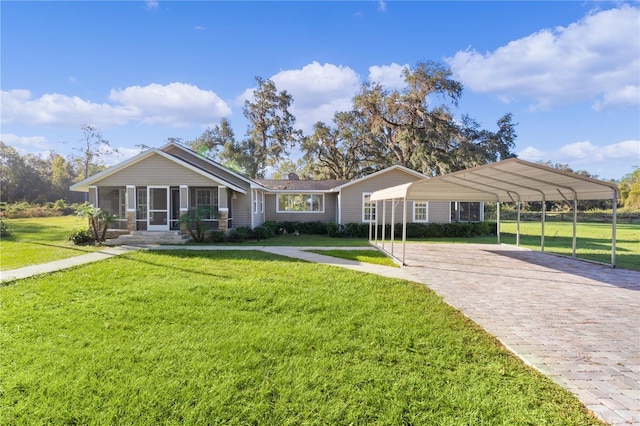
(512,180)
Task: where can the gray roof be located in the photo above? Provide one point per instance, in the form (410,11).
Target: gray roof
(300,185)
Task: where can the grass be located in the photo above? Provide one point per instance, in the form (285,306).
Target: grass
(40,240)
(366,256)
(304,240)
(240,337)
(593,241)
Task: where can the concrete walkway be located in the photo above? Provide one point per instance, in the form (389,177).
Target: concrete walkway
(576,322)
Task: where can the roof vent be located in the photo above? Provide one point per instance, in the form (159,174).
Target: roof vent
(293,176)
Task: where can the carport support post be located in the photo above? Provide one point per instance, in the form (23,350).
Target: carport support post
(393,221)
(575,221)
(518,225)
(498,221)
(376,219)
(404,227)
(544,210)
(613,228)
(384,221)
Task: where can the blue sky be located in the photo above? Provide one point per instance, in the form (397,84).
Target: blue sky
(141,72)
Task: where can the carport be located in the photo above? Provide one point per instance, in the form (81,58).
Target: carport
(512,180)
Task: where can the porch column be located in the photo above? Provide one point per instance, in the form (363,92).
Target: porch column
(223,209)
(130,202)
(223,220)
(184,205)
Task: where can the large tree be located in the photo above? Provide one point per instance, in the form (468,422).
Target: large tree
(346,151)
(271,132)
(423,135)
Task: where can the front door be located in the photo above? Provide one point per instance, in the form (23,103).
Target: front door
(158,208)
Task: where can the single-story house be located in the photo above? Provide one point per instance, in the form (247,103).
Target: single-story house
(149,192)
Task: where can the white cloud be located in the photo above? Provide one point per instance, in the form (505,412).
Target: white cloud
(25,143)
(608,161)
(318,92)
(594,59)
(390,76)
(151,4)
(382,6)
(59,110)
(175,104)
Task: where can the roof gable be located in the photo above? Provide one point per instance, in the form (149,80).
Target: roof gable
(381,172)
(94,180)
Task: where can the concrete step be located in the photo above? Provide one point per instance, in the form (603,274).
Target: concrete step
(150,237)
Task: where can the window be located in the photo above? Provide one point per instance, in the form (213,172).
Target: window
(466,211)
(368,208)
(420,211)
(206,197)
(258,202)
(302,203)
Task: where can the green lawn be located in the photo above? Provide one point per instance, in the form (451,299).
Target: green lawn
(366,256)
(593,240)
(40,240)
(237,337)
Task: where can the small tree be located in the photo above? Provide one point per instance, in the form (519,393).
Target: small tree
(193,220)
(99,220)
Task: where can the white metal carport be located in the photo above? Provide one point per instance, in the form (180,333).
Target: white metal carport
(511,180)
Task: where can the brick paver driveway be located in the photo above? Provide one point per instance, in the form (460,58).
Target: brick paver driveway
(576,322)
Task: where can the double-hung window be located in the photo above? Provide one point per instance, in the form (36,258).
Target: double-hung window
(420,211)
(368,208)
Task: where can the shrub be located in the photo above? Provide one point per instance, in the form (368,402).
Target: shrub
(5,231)
(217,236)
(80,236)
(240,234)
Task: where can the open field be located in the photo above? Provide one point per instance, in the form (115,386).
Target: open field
(183,337)
(593,240)
(39,240)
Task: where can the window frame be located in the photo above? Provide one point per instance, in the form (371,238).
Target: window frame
(423,205)
(372,208)
(279,208)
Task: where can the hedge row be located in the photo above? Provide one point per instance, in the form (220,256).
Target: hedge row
(356,230)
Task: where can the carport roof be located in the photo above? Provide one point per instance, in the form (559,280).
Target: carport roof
(505,181)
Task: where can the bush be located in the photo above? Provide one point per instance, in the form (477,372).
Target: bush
(217,236)
(417,230)
(5,231)
(240,234)
(80,236)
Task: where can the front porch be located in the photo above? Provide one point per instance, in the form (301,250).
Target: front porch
(151,214)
